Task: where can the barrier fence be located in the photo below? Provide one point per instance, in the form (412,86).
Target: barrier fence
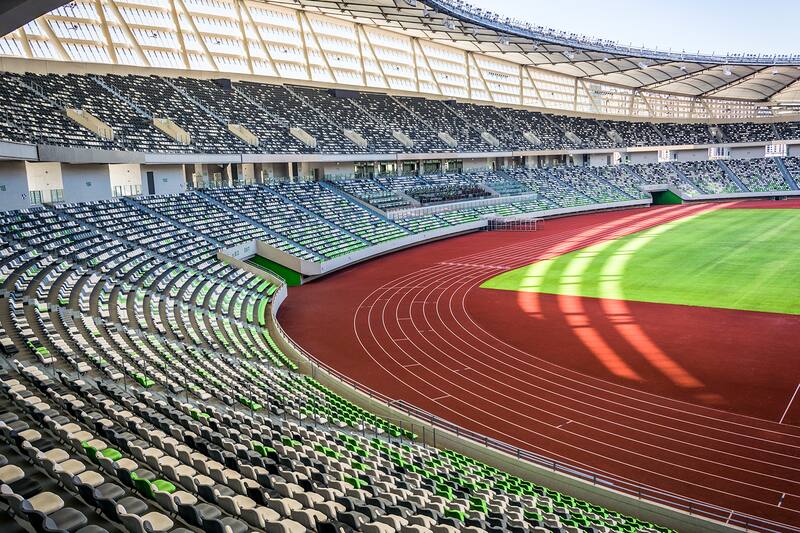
(595,477)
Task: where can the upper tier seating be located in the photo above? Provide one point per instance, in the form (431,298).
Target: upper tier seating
(592,134)
(389,112)
(280,101)
(742,132)
(441,118)
(678,134)
(345,113)
(31,110)
(162,100)
(492,120)
(636,133)
(788,130)
(131,130)
(540,125)
(233,108)
(39,120)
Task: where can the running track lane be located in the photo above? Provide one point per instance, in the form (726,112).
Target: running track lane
(416,328)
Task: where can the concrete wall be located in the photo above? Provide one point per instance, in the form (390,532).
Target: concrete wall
(125,176)
(335,169)
(44,176)
(169,179)
(85,182)
(599,160)
(247,173)
(636,158)
(13,186)
(747,152)
(692,155)
(476,164)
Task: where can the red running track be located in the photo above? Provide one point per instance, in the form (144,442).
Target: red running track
(683,399)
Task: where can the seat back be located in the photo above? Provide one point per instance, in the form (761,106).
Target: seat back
(132,522)
(143,487)
(165,500)
(190,514)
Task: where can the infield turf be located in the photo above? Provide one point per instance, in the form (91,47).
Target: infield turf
(747,259)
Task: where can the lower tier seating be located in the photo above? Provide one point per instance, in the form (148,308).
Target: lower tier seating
(140,393)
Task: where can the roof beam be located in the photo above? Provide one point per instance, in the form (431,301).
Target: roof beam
(303,42)
(126,29)
(375,57)
(101,14)
(428,65)
(55,41)
(246,10)
(319,46)
(177,22)
(26,44)
(199,36)
(734,83)
(677,79)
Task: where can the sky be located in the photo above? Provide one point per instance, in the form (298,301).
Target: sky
(719,26)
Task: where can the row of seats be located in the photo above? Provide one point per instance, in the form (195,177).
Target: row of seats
(32,106)
(145,392)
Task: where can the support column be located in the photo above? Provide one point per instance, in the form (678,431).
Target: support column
(248,174)
(232,174)
(13,186)
(189,176)
(44,182)
(126,180)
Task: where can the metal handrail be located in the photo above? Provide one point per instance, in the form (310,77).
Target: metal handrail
(595,477)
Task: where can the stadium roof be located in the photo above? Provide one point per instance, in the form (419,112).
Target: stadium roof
(17,13)
(434,48)
(753,77)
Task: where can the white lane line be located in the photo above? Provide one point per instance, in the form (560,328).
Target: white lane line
(790,404)
(440,398)
(564,424)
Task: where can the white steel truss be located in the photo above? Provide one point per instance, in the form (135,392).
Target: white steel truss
(266,39)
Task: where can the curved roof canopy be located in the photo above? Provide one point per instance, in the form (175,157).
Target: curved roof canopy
(756,78)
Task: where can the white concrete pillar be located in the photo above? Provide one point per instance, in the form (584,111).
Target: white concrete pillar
(44,179)
(13,186)
(126,180)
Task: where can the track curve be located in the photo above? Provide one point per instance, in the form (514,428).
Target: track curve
(421,330)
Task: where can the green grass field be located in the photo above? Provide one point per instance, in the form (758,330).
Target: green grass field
(745,259)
